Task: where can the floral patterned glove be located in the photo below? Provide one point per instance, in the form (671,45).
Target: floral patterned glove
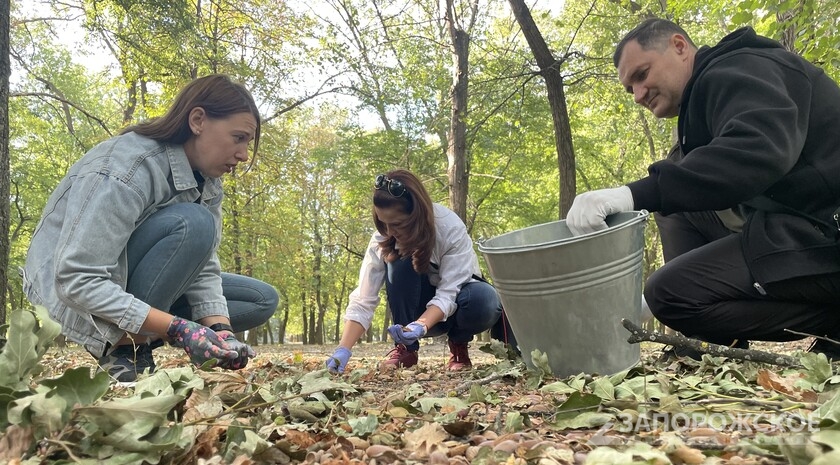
(200,342)
(244,350)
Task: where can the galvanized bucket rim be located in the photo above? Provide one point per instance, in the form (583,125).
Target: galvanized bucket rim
(641,216)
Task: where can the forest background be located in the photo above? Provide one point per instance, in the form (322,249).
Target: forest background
(504,109)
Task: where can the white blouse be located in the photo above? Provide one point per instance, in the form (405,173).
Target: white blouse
(453,253)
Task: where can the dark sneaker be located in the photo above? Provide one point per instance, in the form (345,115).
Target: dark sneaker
(459,358)
(830,349)
(400,357)
(125,362)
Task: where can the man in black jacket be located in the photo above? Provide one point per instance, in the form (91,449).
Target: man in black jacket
(748,199)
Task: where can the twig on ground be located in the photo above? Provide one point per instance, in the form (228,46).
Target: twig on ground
(779,407)
(638,334)
(824,338)
(464,387)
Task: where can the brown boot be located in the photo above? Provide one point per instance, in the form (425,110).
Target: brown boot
(460,358)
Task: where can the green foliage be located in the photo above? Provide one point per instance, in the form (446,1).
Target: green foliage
(28,336)
(299,218)
(47,407)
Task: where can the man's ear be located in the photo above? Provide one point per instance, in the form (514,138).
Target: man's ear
(680,43)
(196,119)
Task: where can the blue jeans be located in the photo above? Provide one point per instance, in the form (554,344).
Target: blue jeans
(168,251)
(408,292)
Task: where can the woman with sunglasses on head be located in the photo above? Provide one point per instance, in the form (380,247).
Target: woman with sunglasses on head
(422,254)
(124,255)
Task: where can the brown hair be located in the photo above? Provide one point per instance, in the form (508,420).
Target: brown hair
(652,33)
(418,232)
(217,94)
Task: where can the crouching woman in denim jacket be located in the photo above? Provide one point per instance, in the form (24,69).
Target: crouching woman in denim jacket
(124,256)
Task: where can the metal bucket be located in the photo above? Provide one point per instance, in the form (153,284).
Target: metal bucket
(566,295)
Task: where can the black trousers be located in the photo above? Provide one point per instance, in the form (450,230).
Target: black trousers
(705,290)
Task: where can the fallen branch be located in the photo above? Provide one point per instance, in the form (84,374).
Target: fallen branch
(638,335)
(466,386)
(824,338)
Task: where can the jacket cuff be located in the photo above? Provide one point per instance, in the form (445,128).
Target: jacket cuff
(646,194)
(205,309)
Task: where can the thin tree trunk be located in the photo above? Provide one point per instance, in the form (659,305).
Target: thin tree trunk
(232,203)
(788,39)
(386,322)
(5,173)
(456,151)
(550,71)
(305,315)
(131,104)
(310,338)
(320,310)
(339,300)
(281,329)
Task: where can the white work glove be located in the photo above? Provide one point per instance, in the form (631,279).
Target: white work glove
(591,208)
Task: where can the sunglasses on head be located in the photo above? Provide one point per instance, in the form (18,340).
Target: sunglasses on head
(394,187)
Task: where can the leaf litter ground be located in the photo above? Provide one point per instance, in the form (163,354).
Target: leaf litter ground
(284,408)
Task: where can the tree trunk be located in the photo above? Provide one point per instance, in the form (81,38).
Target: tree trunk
(386,322)
(255,334)
(131,103)
(339,299)
(310,338)
(320,301)
(788,38)
(281,325)
(550,71)
(456,150)
(232,203)
(5,175)
(304,309)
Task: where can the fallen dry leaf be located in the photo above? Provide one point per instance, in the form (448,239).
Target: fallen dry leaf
(785,385)
(425,439)
(686,455)
(15,441)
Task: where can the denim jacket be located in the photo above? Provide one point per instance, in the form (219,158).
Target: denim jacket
(77,263)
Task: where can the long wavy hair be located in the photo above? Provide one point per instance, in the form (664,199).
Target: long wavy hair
(418,232)
(217,94)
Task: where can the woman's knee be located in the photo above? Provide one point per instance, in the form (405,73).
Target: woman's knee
(271,299)
(192,224)
(478,306)
(251,302)
(196,220)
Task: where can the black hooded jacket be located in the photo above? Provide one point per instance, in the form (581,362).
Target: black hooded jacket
(756,120)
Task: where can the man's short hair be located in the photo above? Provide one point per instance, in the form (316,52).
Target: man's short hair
(651,33)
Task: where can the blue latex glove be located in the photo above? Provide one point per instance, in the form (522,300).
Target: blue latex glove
(338,361)
(244,350)
(199,342)
(590,209)
(408,334)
